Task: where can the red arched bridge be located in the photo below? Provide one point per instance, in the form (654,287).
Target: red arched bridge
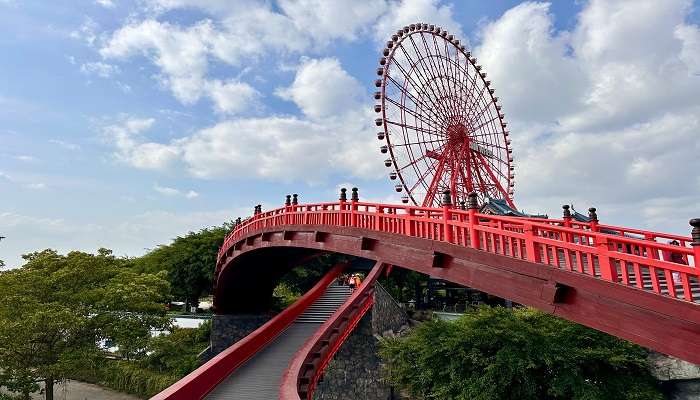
(623,281)
(444,131)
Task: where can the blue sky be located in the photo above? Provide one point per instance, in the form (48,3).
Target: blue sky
(126,123)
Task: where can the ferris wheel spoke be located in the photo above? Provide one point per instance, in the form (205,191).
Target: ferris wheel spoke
(418,67)
(412,163)
(421,85)
(497,169)
(417,143)
(437,178)
(474,103)
(415,128)
(449,67)
(421,179)
(413,99)
(486,123)
(486,106)
(496,182)
(430,65)
(413,113)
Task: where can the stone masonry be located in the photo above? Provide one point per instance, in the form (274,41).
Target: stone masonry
(680,379)
(356,370)
(228,329)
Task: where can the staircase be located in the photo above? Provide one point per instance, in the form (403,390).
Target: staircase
(259,378)
(325,306)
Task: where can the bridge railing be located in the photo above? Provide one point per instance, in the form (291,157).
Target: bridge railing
(627,256)
(204,379)
(307,366)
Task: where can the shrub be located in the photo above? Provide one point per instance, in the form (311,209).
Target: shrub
(497,353)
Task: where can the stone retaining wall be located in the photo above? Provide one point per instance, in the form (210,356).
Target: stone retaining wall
(228,329)
(356,371)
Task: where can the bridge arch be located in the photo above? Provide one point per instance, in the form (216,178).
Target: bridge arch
(661,323)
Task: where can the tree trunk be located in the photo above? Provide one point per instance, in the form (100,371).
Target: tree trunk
(48,388)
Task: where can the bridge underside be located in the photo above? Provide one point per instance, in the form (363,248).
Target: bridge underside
(246,285)
(253,265)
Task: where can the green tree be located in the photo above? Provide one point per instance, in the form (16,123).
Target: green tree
(177,352)
(57,308)
(497,353)
(189,260)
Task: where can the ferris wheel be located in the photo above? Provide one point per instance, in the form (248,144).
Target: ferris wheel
(440,122)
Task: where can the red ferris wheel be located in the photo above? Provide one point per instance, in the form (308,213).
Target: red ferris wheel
(442,125)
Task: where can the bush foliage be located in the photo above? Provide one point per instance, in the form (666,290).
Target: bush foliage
(497,353)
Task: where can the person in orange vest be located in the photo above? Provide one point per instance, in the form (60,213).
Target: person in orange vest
(358,281)
(351,282)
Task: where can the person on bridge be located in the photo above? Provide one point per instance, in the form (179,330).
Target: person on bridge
(351,282)
(677,258)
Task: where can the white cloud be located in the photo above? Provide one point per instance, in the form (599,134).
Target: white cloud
(172,192)
(132,149)
(336,136)
(105,3)
(65,145)
(167,191)
(100,69)
(528,62)
(232,97)
(242,32)
(36,186)
(327,20)
(87,32)
(689,35)
(315,97)
(405,12)
(605,114)
(179,53)
(25,158)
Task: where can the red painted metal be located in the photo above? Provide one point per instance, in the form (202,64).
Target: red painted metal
(606,252)
(440,119)
(201,381)
(308,364)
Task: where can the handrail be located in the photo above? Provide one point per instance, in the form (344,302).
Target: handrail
(605,252)
(204,379)
(308,364)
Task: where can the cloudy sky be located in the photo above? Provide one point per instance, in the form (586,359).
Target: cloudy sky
(126,123)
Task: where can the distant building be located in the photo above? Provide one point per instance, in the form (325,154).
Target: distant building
(501,207)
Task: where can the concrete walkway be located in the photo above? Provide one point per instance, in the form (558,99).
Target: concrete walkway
(75,390)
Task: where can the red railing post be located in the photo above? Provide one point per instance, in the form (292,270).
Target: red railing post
(695,223)
(607,269)
(447,215)
(567,223)
(378,225)
(287,209)
(343,199)
(353,204)
(530,244)
(473,207)
(653,253)
(295,203)
(594,219)
(410,224)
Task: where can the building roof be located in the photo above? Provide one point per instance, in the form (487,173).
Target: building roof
(501,207)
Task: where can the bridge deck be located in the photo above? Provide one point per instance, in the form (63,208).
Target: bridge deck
(259,378)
